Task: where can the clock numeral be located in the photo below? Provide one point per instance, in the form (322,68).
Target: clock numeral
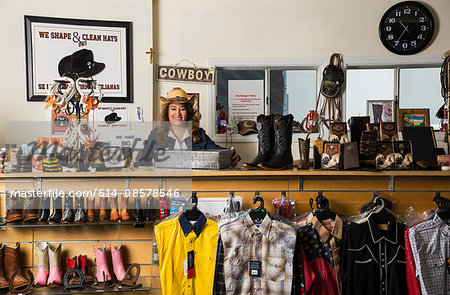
(388,29)
(420,36)
(416,12)
(414,43)
(423,28)
(390,37)
(407,11)
(391,20)
(398,13)
(421,19)
(405,45)
(396,43)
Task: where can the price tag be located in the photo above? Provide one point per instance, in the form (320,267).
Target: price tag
(189,265)
(255,268)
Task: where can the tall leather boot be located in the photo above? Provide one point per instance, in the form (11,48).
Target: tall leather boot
(114,211)
(103,215)
(3,281)
(80,210)
(117,262)
(12,212)
(282,155)
(102,265)
(44,213)
(265,142)
(123,207)
(54,259)
(12,265)
(137,215)
(90,209)
(68,214)
(29,210)
(151,211)
(57,210)
(42,262)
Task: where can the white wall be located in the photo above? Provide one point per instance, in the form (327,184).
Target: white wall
(200,29)
(13,105)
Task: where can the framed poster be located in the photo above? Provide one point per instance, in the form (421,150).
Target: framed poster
(380,110)
(58,47)
(413,118)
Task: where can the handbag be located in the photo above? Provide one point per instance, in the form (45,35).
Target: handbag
(332,77)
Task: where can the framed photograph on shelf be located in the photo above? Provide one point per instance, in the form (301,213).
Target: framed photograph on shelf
(380,110)
(58,47)
(413,118)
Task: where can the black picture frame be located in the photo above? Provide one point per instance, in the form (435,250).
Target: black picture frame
(108,39)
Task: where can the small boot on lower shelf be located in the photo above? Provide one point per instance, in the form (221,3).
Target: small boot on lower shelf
(3,281)
(42,263)
(117,262)
(72,264)
(82,265)
(103,277)
(54,259)
(12,265)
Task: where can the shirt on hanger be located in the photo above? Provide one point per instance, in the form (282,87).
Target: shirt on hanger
(322,246)
(412,282)
(256,259)
(374,259)
(177,237)
(430,245)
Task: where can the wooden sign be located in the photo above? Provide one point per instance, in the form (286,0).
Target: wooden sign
(186,74)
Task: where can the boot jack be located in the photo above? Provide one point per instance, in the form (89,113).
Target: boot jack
(82,265)
(123,208)
(12,214)
(90,209)
(282,153)
(80,210)
(57,210)
(45,210)
(54,259)
(137,216)
(29,211)
(12,265)
(3,281)
(103,215)
(114,211)
(71,264)
(265,141)
(117,261)
(42,262)
(68,214)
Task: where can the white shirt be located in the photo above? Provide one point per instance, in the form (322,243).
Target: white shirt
(180,145)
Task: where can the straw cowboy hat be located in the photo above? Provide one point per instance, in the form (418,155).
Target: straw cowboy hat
(176,95)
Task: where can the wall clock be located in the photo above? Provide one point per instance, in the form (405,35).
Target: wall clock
(406,28)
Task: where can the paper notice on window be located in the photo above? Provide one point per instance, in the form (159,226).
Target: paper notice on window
(245,100)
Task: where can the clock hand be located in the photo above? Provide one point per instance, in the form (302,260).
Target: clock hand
(401,35)
(405,27)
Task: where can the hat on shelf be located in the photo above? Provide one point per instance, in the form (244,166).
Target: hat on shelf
(247,127)
(80,62)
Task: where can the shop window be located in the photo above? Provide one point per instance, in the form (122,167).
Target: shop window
(243,94)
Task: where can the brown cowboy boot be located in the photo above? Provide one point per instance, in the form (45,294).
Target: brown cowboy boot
(90,209)
(3,281)
(29,212)
(114,211)
(124,207)
(12,214)
(103,215)
(12,265)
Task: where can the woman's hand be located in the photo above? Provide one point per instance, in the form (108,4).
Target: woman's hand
(235,158)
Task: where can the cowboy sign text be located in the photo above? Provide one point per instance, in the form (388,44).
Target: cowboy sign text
(187,74)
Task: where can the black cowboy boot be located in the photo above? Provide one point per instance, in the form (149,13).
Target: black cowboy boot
(68,214)
(45,209)
(80,210)
(265,141)
(57,210)
(151,210)
(137,216)
(282,154)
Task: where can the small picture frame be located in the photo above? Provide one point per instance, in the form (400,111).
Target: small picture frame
(413,118)
(380,110)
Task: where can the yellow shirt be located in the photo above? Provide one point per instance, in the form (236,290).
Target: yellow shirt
(175,238)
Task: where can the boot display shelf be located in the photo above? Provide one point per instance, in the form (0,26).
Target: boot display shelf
(140,224)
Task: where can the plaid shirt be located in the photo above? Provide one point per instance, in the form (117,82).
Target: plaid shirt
(430,245)
(272,243)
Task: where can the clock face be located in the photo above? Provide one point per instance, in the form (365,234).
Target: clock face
(406,28)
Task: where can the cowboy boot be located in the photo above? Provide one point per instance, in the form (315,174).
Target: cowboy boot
(68,214)
(82,265)
(90,209)
(12,265)
(54,258)
(80,210)
(12,214)
(103,215)
(117,262)
(29,211)
(71,264)
(57,210)
(265,141)
(102,265)
(3,281)
(42,262)
(45,210)
(114,211)
(137,216)
(151,211)
(123,208)
(282,155)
